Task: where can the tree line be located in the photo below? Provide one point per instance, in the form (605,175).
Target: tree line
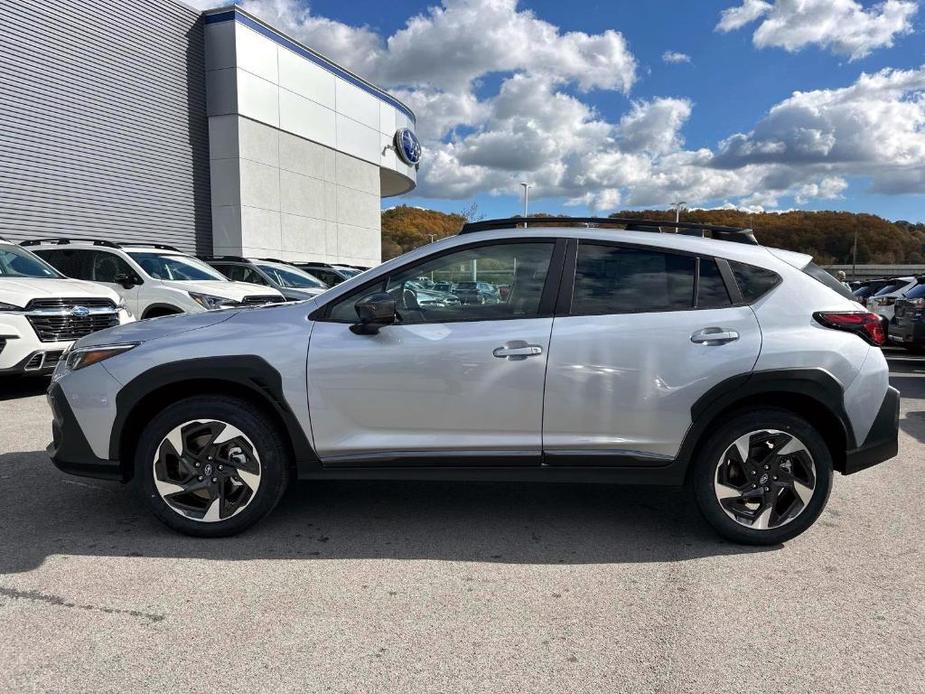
(828,236)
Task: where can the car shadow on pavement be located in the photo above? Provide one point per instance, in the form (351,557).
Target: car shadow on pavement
(14,387)
(45,512)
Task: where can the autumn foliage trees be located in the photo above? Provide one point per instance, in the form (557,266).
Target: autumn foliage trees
(827,236)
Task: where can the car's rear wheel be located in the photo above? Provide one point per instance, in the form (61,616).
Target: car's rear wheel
(211,466)
(763,477)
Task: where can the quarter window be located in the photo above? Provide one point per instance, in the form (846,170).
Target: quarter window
(611,279)
(486,283)
(754,282)
(711,289)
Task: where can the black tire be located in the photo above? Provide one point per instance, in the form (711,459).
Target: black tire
(263,433)
(711,455)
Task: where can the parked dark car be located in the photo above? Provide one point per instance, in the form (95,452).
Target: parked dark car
(477,293)
(908,326)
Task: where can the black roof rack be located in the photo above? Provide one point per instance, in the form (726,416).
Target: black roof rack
(312,262)
(159,246)
(64,242)
(716,231)
(230,258)
(276,260)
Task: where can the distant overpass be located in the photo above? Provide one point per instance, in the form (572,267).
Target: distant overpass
(870,271)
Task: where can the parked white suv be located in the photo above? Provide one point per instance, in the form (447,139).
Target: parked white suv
(154,279)
(615,356)
(42,312)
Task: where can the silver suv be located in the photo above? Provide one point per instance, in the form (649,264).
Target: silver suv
(615,355)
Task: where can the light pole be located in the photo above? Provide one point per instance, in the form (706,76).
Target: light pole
(526,187)
(677,209)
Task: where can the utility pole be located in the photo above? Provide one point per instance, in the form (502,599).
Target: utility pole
(433,237)
(854,257)
(677,209)
(527,187)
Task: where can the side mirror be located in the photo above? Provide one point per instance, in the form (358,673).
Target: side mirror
(375,311)
(126,281)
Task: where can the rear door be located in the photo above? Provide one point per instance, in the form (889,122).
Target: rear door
(642,334)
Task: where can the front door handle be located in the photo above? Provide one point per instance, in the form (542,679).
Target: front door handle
(517,351)
(714,336)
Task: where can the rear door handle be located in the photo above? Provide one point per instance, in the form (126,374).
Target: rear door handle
(517,352)
(714,336)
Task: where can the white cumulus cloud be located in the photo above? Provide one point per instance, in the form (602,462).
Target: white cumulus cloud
(538,124)
(675,57)
(843,26)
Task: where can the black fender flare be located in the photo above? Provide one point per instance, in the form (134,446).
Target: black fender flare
(816,384)
(249,373)
(174,310)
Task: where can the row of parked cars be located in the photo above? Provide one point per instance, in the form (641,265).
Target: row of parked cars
(900,303)
(55,291)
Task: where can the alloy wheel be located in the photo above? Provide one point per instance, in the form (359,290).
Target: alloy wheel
(765,479)
(206,470)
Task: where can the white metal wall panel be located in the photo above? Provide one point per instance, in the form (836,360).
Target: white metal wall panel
(103,126)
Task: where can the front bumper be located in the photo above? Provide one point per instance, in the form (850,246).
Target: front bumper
(69,449)
(882,442)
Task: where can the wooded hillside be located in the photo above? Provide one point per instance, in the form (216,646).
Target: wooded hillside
(827,236)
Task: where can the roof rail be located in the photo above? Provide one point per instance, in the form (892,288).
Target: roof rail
(722,233)
(229,258)
(276,260)
(66,241)
(159,246)
(313,262)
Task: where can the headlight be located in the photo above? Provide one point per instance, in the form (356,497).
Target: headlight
(210,303)
(85,356)
(9,307)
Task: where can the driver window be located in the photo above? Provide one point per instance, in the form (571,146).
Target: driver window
(106,267)
(484,283)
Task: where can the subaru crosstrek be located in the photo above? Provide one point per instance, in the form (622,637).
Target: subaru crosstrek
(746,372)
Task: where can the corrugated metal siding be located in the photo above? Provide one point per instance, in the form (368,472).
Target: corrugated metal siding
(103,127)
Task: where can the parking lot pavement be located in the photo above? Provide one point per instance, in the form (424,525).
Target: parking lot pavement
(432,587)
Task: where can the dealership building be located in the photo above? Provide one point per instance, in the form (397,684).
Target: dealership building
(212,132)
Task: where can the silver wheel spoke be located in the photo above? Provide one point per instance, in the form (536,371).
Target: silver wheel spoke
(227,434)
(763,519)
(743,444)
(212,513)
(794,445)
(250,479)
(724,492)
(805,493)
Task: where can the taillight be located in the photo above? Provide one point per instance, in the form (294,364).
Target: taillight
(885,300)
(917,303)
(867,325)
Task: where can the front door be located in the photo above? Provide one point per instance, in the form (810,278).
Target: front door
(645,334)
(454,382)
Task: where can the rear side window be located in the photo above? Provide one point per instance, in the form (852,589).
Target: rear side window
(817,273)
(68,262)
(711,289)
(917,292)
(610,279)
(754,282)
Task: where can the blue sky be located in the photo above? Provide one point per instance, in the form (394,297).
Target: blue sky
(658,130)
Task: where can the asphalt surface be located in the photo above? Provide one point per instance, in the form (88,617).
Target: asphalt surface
(432,587)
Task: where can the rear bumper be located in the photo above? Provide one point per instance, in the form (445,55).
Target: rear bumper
(69,449)
(882,442)
(909,332)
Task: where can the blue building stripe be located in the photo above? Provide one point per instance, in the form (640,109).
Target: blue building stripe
(260,28)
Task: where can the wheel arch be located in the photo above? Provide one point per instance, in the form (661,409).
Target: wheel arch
(248,378)
(160,310)
(813,394)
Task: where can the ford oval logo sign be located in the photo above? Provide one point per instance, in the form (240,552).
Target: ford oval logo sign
(408,147)
(80,312)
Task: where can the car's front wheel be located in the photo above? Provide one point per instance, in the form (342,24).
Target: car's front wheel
(211,466)
(763,477)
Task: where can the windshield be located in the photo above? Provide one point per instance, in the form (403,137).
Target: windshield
(17,262)
(892,287)
(292,278)
(179,268)
(348,272)
(917,292)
